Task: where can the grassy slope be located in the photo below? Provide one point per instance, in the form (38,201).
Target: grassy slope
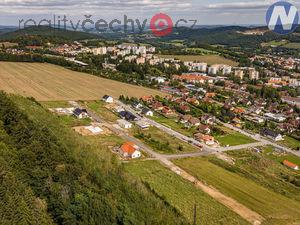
(266,202)
(265,169)
(182,194)
(93,155)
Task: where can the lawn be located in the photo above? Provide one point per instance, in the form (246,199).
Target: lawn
(171,123)
(46,82)
(233,138)
(276,208)
(209,59)
(162,142)
(291,143)
(275,43)
(99,108)
(182,195)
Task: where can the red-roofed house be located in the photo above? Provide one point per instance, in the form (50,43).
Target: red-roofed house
(290,165)
(130,150)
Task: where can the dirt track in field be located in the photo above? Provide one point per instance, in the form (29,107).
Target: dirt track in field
(46,82)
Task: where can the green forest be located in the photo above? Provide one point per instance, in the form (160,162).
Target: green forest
(48,176)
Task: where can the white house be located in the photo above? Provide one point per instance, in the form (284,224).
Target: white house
(80,113)
(130,150)
(108,99)
(147,112)
(124,124)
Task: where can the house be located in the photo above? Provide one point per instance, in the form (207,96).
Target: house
(290,165)
(119,109)
(204,129)
(136,105)
(206,139)
(124,124)
(271,134)
(207,119)
(193,101)
(194,122)
(147,112)
(185,108)
(237,122)
(130,150)
(80,113)
(147,99)
(108,99)
(167,111)
(142,125)
(157,106)
(127,116)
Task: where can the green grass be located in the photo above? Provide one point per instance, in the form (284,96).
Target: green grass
(182,194)
(275,43)
(171,123)
(292,45)
(258,198)
(270,153)
(99,108)
(209,59)
(162,142)
(56,104)
(233,138)
(291,143)
(265,169)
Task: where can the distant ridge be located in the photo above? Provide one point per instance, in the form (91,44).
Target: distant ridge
(47,31)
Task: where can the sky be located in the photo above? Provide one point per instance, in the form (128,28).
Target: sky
(206,12)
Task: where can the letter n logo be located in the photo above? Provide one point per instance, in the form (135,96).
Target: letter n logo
(282,17)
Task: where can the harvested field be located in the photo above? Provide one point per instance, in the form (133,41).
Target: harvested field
(46,82)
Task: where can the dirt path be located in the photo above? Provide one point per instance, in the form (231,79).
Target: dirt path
(246,213)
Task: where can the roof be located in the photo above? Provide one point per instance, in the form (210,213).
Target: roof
(269,132)
(129,147)
(79,111)
(289,164)
(146,110)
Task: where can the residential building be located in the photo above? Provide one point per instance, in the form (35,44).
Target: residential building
(107,99)
(271,134)
(130,150)
(80,113)
(290,165)
(147,112)
(124,124)
(99,51)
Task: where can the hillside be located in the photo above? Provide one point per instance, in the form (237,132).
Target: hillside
(44,31)
(48,175)
(47,82)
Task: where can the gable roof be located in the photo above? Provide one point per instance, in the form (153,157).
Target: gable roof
(129,148)
(79,111)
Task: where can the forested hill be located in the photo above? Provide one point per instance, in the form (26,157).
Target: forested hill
(46,31)
(49,177)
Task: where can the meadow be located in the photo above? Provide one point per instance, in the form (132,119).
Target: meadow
(46,82)
(276,208)
(209,59)
(182,194)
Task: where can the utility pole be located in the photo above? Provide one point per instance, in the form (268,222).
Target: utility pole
(195,214)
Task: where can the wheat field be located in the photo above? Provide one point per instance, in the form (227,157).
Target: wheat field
(46,82)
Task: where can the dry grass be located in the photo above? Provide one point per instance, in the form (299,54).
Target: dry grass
(46,82)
